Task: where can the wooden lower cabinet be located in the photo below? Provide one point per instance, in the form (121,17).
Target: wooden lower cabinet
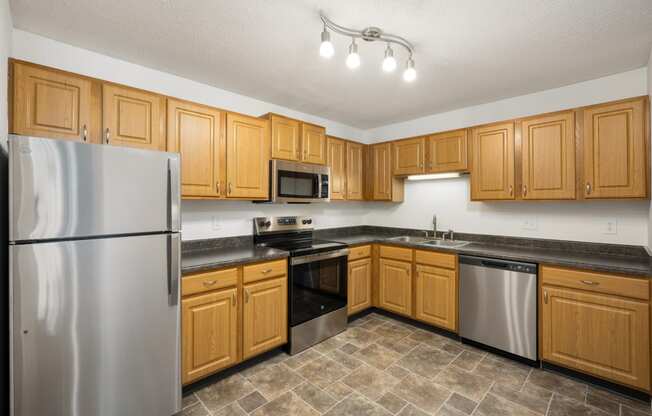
(359,285)
(603,335)
(395,286)
(210,333)
(436,296)
(264,318)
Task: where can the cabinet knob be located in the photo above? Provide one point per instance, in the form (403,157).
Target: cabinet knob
(588,188)
(107,135)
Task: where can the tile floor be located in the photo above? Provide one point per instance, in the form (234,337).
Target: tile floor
(381,366)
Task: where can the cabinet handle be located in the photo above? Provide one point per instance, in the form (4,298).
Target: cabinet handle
(590,282)
(511,190)
(588,188)
(108,135)
(524,190)
(246,295)
(84,133)
(217,186)
(266,271)
(545,296)
(208,283)
(233,297)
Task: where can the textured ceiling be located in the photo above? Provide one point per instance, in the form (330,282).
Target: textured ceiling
(467,51)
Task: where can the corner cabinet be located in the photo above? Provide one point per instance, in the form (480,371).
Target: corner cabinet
(492,166)
(197,133)
(337,163)
(313,144)
(615,150)
(247,157)
(383,185)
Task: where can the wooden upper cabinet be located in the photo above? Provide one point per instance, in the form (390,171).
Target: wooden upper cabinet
(197,133)
(436,296)
(409,156)
(133,118)
(247,157)
(548,157)
(210,333)
(50,103)
(285,138)
(313,144)
(615,150)
(447,152)
(381,171)
(354,171)
(492,166)
(264,317)
(337,163)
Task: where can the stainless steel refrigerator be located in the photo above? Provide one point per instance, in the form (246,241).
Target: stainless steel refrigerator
(94,264)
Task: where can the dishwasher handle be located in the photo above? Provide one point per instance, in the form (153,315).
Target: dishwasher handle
(494,263)
(515,266)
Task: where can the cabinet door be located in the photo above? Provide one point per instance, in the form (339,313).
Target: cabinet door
(354,171)
(133,118)
(447,152)
(409,156)
(247,157)
(285,138)
(548,157)
(382,176)
(395,281)
(264,316)
(492,167)
(337,163)
(603,335)
(313,144)
(196,132)
(615,150)
(210,333)
(436,296)
(359,285)
(50,104)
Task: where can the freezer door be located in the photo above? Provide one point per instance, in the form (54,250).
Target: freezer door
(95,327)
(62,189)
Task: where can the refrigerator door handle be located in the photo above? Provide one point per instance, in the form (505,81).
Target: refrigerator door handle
(174,197)
(174,271)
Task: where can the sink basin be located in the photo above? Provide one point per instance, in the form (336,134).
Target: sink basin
(446,243)
(410,239)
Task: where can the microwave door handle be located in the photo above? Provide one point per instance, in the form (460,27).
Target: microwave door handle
(318,186)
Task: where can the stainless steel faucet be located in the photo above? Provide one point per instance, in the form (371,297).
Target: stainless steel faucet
(434,226)
(450,234)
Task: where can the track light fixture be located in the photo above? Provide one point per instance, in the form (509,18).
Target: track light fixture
(369,34)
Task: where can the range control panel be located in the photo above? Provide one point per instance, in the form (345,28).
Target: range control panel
(263,225)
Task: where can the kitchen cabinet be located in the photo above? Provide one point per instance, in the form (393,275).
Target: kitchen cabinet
(548,157)
(247,157)
(197,133)
(436,296)
(285,138)
(615,150)
(384,187)
(409,156)
(591,330)
(447,152)
(492,162)
(337,163)
(133,118)
(359,285)
(395,286)
(264,316)
(313,144)
(354,171)
(209,333)
(50,103)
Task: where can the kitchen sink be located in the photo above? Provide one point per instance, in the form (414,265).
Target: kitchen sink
(410,239)
(445,243)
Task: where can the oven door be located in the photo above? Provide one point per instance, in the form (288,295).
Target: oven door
(298,182)
(317,285)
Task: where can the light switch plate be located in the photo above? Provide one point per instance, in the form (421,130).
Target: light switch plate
(610,226)
(530,223)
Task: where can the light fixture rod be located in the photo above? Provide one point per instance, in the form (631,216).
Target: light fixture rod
(385,37)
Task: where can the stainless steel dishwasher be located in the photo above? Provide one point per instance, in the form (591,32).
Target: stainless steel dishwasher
(498,304)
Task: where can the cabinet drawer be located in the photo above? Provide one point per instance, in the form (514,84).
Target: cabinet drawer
(204,282)
(265,270)
(359,252)
(396,253)
(433,258)
(596,282)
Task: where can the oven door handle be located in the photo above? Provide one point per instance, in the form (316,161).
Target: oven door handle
(309,258)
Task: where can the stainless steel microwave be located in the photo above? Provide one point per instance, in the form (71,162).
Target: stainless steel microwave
(293,182)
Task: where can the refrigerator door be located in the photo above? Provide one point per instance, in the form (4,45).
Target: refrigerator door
(95,327)
(61,189)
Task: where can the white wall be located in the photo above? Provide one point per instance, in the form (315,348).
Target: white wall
(450,200)
(614,87)
(34,48)
(5,52)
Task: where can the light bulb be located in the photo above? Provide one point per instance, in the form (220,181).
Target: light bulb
(353,60)
(389,63)
(326,49)
(410,74)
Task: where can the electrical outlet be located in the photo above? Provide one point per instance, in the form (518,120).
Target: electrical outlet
(610,226)
(215,223)
(530,224)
